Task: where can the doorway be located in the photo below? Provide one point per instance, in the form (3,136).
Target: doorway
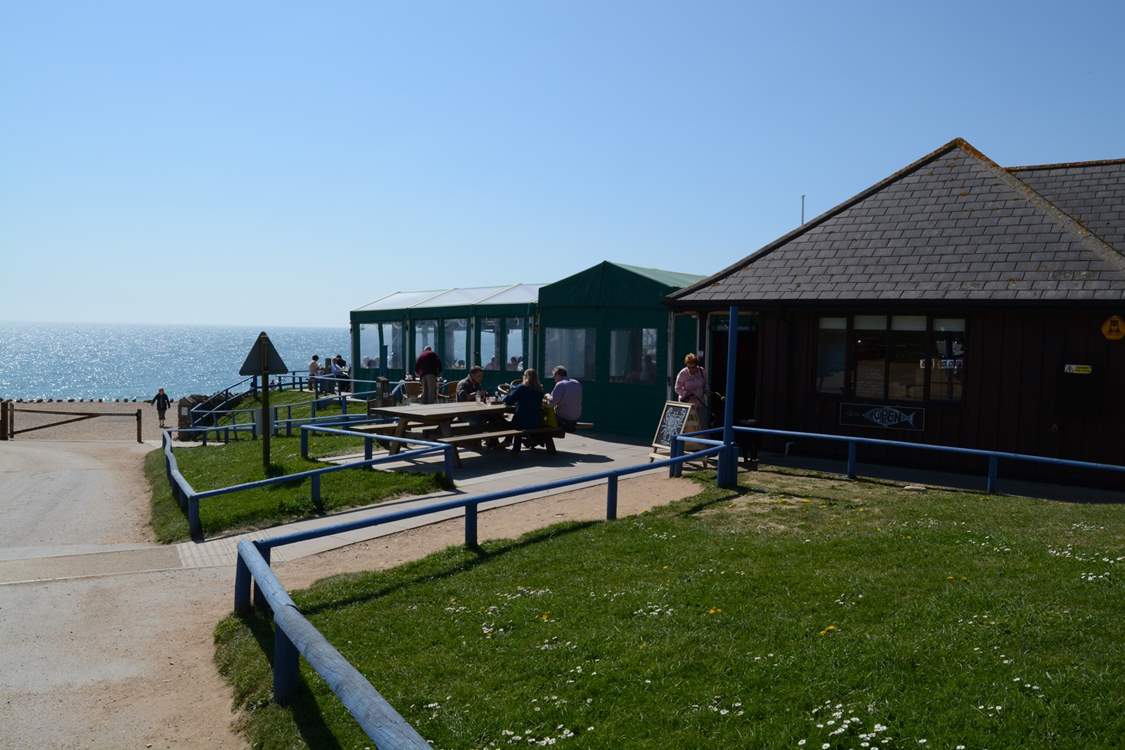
(746,372)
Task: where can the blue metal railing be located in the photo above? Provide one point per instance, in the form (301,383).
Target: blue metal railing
(188,497)
(994,457)
(295,636)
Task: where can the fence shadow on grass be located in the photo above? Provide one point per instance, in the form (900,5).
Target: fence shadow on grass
(307,713)
(480,556)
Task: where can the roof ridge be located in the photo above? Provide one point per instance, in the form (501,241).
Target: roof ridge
(761,252)
(1066,165)
(1097,245)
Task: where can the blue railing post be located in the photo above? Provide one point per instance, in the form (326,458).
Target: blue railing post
(367,449)
(851,459)
(314,490)
(285,668)
(676,469)
(195,528)
(727,474)
(241,586)
(205,436)
(471,525)
(312,407)
(993,473)
(343,405)
(611,499)
(304,444)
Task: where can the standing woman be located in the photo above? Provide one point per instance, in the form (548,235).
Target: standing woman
(161,401)
(691,387)
(528,400)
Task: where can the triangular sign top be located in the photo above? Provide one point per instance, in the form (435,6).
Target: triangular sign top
(254,360)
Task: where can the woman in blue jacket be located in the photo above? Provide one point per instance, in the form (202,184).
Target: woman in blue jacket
(527,397)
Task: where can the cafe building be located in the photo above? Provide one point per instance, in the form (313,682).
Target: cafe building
(486,326)
(608,325)
(955,302)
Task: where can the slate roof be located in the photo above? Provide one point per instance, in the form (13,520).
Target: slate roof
(951,226)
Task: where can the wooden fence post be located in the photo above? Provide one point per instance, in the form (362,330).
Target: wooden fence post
(139,438)
(3,420)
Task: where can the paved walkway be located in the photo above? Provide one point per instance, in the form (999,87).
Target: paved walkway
(578,454)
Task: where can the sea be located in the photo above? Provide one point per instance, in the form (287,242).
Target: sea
(92,361)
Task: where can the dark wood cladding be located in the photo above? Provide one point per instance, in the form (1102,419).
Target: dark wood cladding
(1016,397)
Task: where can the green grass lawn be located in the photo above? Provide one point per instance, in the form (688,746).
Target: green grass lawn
(241,461)
(804,612)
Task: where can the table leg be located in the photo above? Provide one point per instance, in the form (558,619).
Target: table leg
(400,430)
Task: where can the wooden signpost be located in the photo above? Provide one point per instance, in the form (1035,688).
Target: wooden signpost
(263,360)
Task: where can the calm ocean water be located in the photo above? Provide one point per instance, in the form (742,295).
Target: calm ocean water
(64,360)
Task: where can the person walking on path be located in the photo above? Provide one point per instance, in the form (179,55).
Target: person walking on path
(566,399)
(161,402)
(428,368)
(527,397)
(691,387)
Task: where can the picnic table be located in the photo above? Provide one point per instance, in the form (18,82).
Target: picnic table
(441,415)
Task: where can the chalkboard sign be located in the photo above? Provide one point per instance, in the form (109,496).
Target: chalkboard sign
(676,418)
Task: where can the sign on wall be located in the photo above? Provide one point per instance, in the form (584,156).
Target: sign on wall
(882,415)
(1114,328)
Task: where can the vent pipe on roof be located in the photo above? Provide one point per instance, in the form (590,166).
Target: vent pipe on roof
(802,209)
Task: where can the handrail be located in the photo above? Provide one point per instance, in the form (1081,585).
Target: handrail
(295,636)
(188,497)
(994,457)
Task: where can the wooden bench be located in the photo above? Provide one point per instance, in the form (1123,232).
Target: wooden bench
(473,442)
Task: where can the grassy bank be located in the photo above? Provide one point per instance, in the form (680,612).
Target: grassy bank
(805,611)
(290,403)
(241,461)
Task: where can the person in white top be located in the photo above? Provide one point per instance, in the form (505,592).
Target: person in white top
(566,399)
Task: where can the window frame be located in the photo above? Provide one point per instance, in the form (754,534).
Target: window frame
(849,391)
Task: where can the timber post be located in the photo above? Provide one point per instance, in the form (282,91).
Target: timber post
(139,438)
(3,420)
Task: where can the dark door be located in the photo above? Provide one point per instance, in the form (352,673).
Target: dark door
(746,375)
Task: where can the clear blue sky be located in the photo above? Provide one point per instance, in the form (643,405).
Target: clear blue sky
(296,160)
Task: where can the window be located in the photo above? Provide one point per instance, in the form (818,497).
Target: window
(455,346)
(515,351)
(947,364)
(632,355)
(869,370)
(369,353)
(831,355)
(425,334)
(892,358)
(488,356)
(573,348)
(391,345)
(906,373)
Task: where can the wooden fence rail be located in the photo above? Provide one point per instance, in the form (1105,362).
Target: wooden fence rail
(8,411)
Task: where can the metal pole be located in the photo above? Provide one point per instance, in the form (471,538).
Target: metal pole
(263,346)
(728,458)
(285,668)
(993,473)
(241,586)
(471,525)
(851,459)
(611,499)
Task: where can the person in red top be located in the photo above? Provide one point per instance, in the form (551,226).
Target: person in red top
(428,368)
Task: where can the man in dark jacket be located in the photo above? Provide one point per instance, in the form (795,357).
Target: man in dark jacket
(428,368)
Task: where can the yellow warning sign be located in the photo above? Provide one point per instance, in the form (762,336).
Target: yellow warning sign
(1114,328)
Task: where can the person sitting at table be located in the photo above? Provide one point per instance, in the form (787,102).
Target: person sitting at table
(469,386)
(527,397)
(566,399)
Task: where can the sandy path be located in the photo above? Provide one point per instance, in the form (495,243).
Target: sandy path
(115,662)
(126,660)
(63,493)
